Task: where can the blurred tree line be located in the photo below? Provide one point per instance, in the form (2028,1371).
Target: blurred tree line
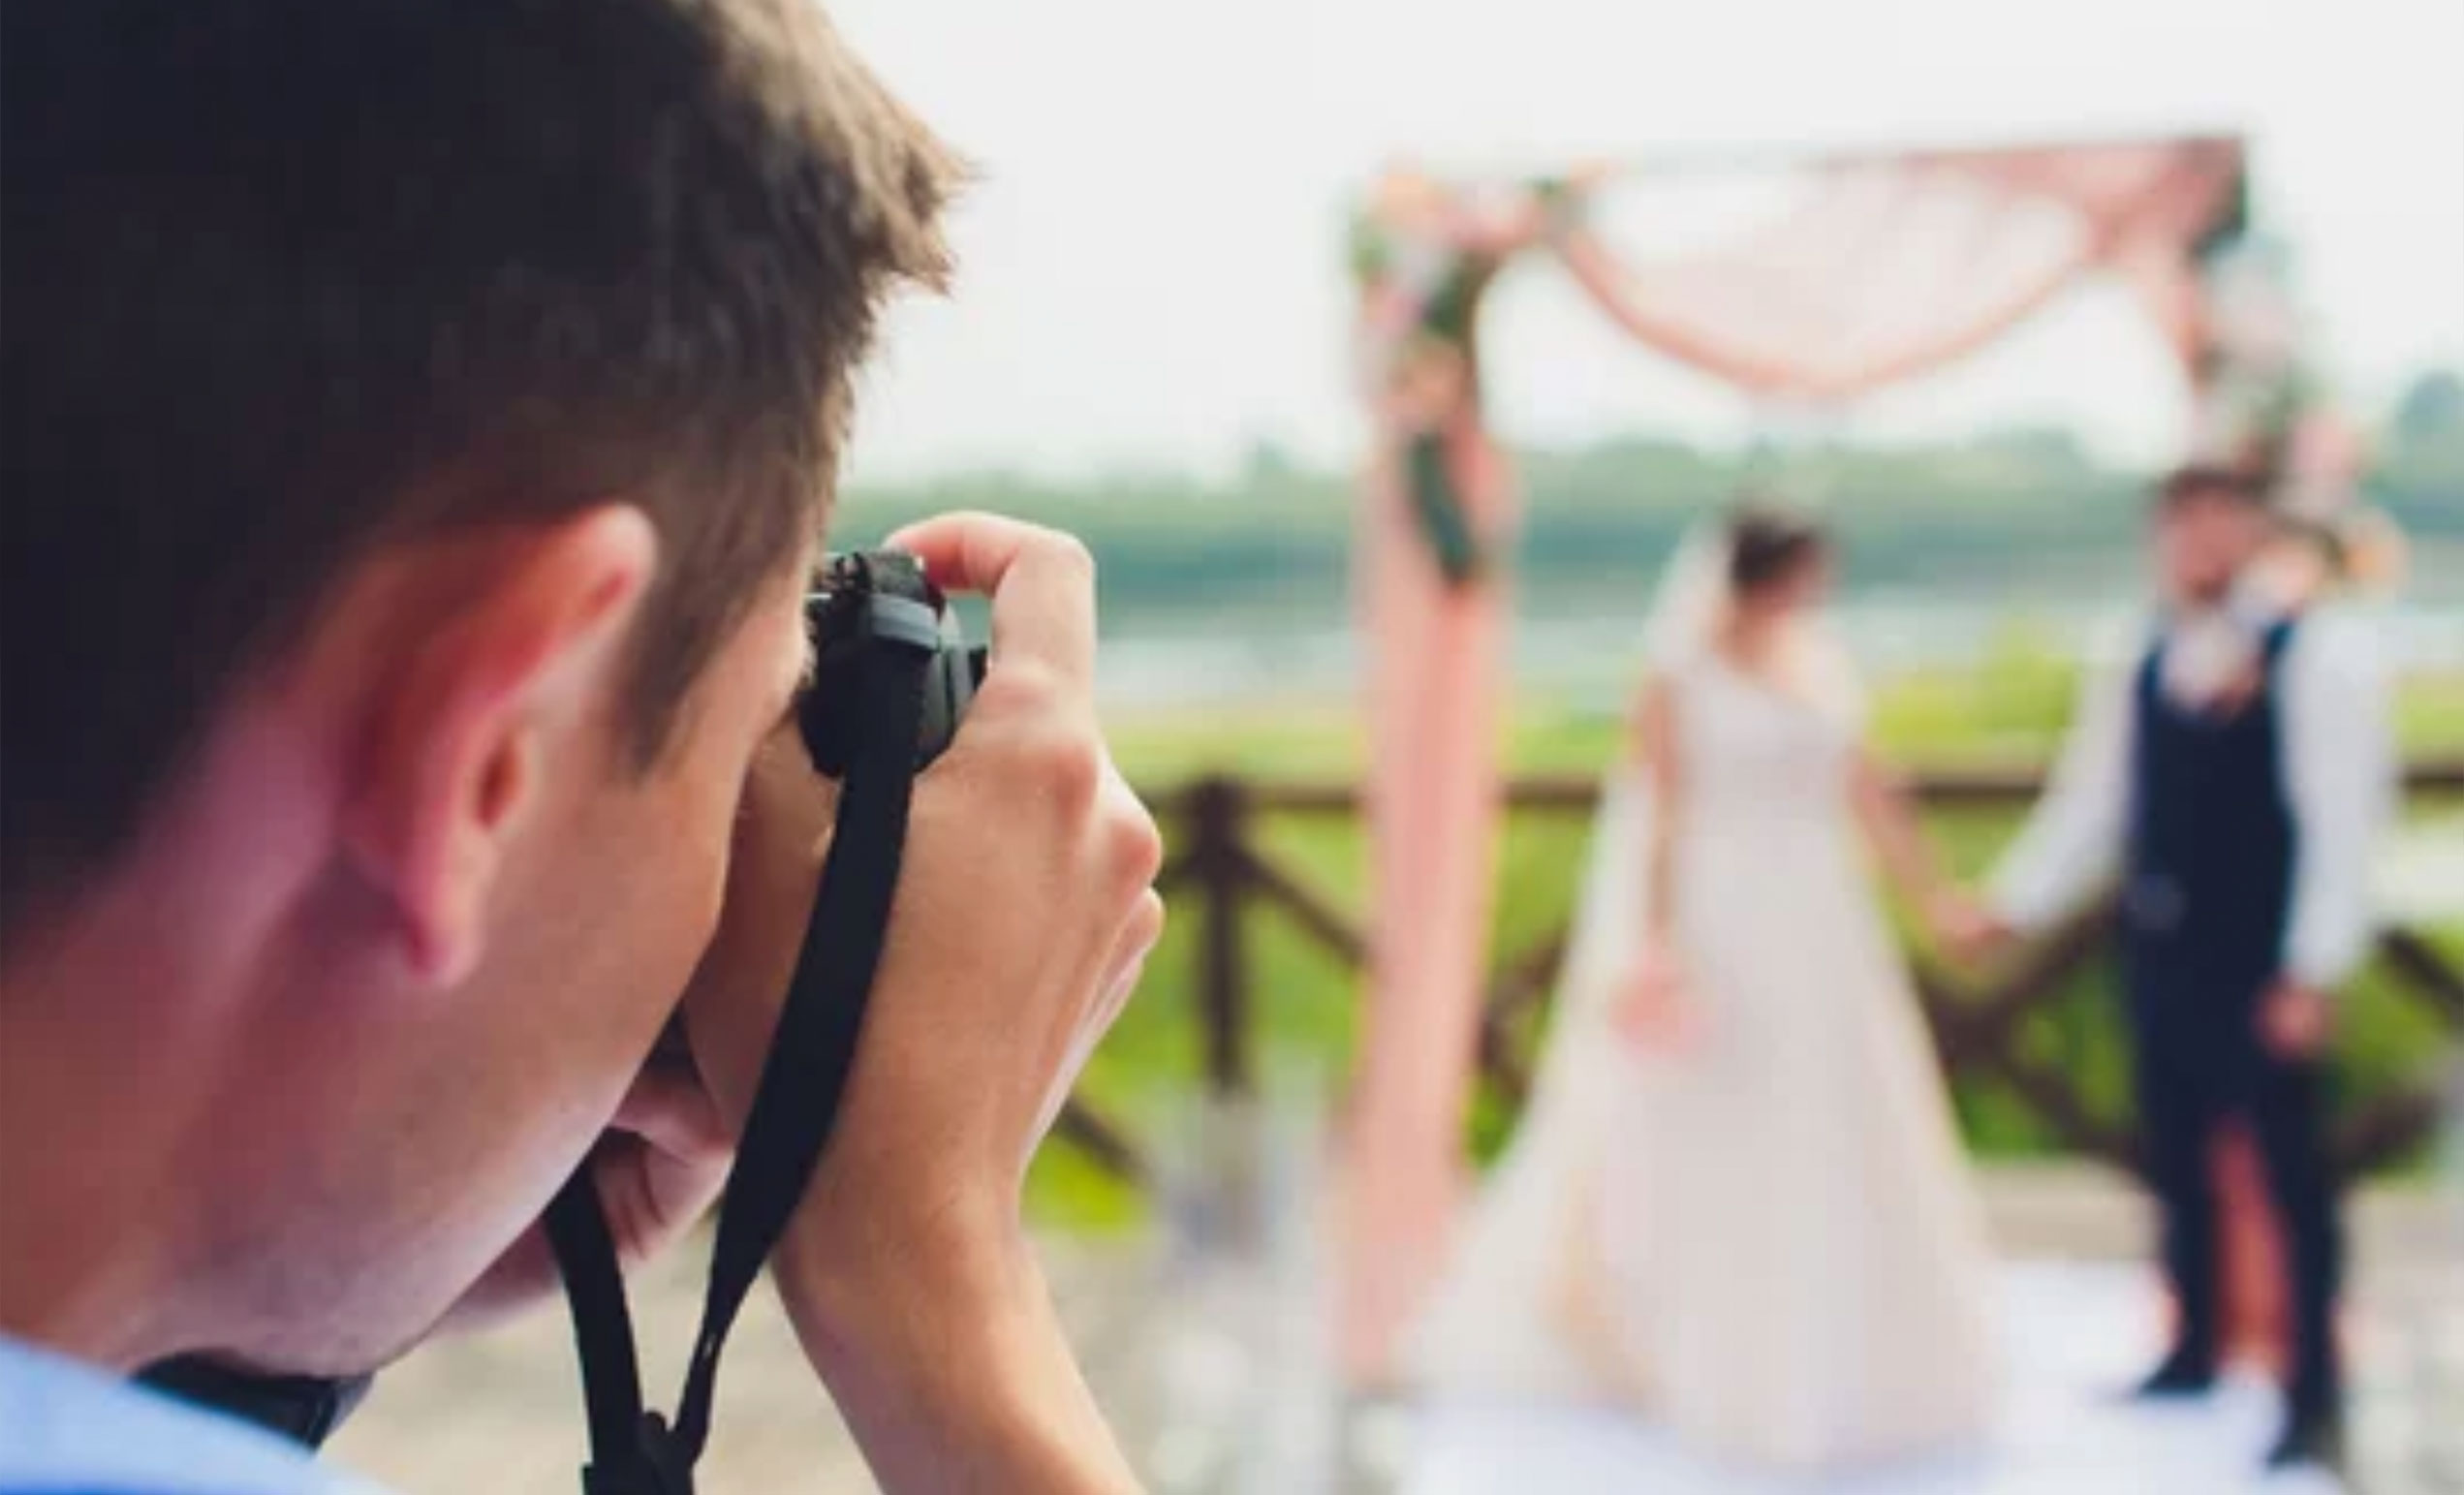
(2024,514)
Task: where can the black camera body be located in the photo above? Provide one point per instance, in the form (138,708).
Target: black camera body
(868,598)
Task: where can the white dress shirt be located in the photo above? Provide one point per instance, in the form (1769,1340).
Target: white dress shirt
(2337,752)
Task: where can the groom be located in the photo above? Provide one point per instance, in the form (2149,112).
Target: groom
(2235,773)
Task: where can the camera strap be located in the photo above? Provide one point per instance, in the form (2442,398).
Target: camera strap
(304,1408)
(635,1450)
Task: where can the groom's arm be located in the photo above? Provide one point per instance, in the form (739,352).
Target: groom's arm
(2339,763)
(2072,841)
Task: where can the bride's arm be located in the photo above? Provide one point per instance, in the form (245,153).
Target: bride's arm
(1888,817)
(1655,748)
(1656,1010)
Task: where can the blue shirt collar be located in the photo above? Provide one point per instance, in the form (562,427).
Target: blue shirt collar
(67,1428)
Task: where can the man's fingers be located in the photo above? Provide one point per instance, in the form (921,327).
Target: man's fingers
(970,551)
(675,1116)
(1129,949)
(1122,968)
(1042,583)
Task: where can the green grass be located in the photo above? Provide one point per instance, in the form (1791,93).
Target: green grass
(1305,1001)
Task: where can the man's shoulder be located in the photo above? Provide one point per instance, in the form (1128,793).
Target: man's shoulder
(2337,643)
(2340,628)
(69,1429)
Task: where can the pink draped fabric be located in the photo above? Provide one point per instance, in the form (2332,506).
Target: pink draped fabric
(1879,269)
(1434,686)
(1434,692)
(1888,268)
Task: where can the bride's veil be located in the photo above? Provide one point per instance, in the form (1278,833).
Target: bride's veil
(1692,601)
(1493,1329)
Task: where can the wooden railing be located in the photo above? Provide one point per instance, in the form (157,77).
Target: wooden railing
(1221,878)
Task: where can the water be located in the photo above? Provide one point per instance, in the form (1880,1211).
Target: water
(1249,658)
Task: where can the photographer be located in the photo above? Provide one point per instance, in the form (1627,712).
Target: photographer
(419,420)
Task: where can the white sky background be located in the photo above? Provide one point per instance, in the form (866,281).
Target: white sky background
(1153,267)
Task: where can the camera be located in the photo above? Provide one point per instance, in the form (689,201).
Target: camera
(865,598)
(862,600)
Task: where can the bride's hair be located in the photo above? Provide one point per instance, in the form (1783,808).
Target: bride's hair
(1767,543)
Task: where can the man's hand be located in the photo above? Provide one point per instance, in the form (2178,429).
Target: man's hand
(1025,912)
(1967,931)
(2296,1019)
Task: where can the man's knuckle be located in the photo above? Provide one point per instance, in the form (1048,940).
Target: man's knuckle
(1136,846)
(1068,553)
(1014,688)
(1068,767)
(1148,916)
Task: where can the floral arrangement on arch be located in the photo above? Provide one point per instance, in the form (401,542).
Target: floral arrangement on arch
(1424,252)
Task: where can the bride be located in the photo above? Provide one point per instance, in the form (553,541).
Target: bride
(1737,1203)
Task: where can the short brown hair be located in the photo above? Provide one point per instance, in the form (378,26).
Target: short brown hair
(289,279)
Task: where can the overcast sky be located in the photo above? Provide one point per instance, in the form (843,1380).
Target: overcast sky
(1153,271)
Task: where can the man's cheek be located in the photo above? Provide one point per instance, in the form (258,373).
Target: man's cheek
(694,919)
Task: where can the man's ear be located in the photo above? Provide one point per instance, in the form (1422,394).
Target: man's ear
(502,647)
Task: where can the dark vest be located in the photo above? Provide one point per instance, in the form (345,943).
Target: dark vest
(2208,880)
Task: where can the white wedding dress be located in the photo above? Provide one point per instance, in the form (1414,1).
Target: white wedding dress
(1766,1241)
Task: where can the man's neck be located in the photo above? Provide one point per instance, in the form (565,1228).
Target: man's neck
(2206,599)
(99,1104)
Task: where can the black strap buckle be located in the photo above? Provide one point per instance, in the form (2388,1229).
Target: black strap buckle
(658,1466)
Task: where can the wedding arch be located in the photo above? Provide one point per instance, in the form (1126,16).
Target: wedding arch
(1872,267)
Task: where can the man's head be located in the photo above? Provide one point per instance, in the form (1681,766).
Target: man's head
(417,420)
(2209,524)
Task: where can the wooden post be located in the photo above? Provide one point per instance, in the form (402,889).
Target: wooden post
(1219,860)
